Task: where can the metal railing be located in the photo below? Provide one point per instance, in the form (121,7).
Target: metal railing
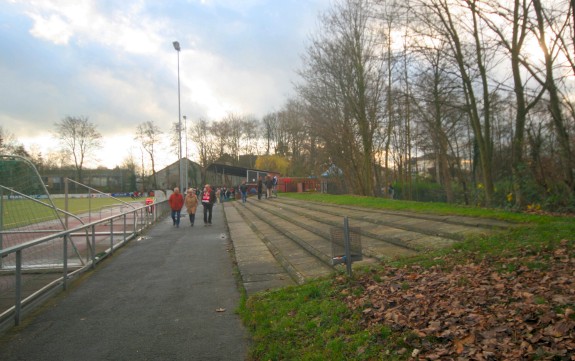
(21,269)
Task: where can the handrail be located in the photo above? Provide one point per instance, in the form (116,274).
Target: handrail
(143,218)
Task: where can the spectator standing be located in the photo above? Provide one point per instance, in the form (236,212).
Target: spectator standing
(269,186)
(223,196)
(260,187)
(244,191)
(150,202)
(191,202)
(275,186)
(208,199)
(176,202)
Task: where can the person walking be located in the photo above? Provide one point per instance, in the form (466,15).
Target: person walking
(208,199)
(244,191)
(191,202)
(176,202)
(260,187)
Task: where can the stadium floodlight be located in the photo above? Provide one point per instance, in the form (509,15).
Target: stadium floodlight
(183,184)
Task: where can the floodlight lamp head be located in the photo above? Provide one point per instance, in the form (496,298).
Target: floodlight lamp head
(176,45)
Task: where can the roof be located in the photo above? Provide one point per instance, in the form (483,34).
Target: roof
(233,170)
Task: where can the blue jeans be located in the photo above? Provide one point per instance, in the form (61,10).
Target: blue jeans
(244,197)
(176,218)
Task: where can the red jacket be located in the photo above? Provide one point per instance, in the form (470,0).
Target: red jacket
(176,201)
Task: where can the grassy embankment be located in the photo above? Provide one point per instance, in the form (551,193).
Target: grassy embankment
(313,321)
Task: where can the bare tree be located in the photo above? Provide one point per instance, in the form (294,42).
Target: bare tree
(438,109)
(269,129)
(79,138)
(4,140)
(342,65)
(130,163)
(460,24)
(206,144)
(235,129)
(555,102)
(510,26)
(251,134)
(221,132)
(293,122)
(175,139)
(8,143)
(149,135)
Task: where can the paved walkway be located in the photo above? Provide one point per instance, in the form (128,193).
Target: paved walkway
(171,295)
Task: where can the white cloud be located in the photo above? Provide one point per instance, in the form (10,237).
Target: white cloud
(52,28)
(113,61)
(126,27)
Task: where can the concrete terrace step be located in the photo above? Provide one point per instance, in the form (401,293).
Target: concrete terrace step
(258,267)
(278,239)
(302,253)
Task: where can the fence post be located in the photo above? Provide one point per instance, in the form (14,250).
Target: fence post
(347,245)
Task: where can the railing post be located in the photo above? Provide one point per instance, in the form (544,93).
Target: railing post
(89,206)
(65,264)
(93,247)
(124,229)
(112,236)
(66,202)
(18,296)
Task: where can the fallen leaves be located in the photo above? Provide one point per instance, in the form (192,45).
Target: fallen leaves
(523,310)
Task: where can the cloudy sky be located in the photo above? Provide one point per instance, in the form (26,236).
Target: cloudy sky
(114,62)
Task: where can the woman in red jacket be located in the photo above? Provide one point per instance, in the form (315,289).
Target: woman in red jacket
(176,202)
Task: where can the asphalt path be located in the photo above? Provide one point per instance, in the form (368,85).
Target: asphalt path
(170,295)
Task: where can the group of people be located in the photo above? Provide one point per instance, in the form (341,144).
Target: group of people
(224,193)
(209,196)
(270,184)
(177,201)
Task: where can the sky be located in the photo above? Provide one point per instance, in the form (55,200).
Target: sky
(114,63)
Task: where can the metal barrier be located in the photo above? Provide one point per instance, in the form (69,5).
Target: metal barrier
(30,284)
(346,245)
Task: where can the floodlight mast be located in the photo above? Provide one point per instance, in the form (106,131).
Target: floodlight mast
(183,185)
